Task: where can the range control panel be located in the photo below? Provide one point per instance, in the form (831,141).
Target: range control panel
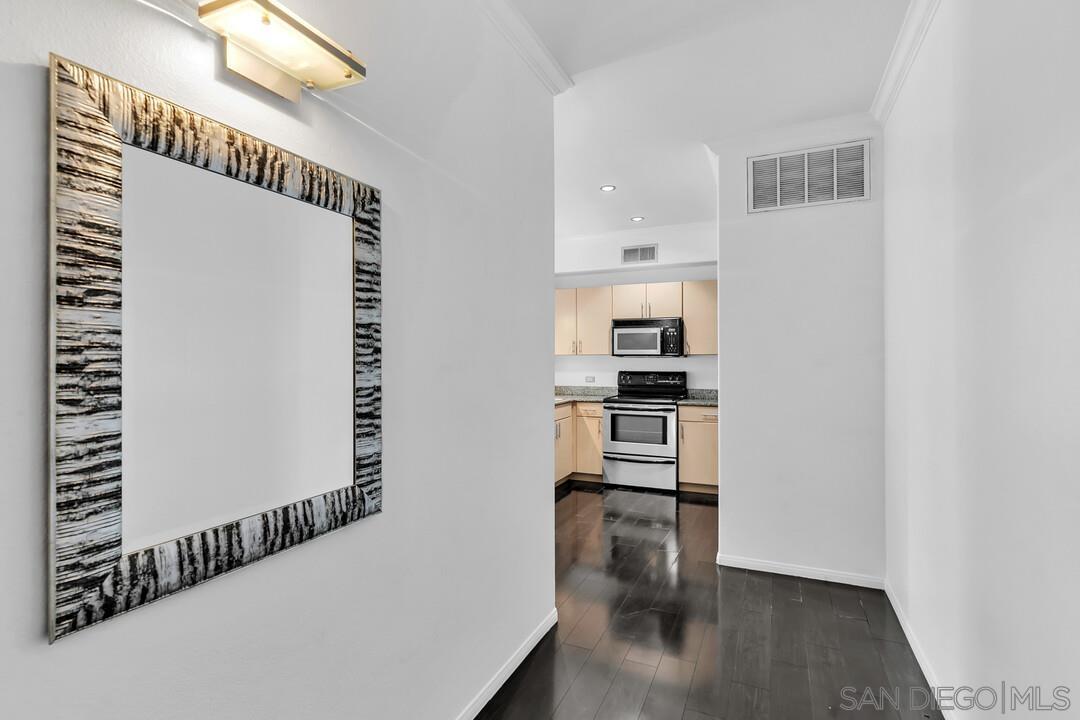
(675,379)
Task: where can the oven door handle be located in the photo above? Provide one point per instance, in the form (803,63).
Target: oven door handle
(623,408)
(640,462)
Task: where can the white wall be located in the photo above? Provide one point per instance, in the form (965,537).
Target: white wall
(604,369)
(419,597)
(800,333)
(983,344)
(691,243)
(574,369)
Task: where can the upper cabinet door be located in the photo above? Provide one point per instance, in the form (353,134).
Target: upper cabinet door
(664,300)
(566,321)
(594,320)
(699,316)
(628,301)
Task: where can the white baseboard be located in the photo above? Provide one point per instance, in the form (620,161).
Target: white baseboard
(837,576)
(916,646)
(488,691)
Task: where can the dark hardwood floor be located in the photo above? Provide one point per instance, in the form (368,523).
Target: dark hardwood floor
(651,628)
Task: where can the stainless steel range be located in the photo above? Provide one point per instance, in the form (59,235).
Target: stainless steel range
(641,430)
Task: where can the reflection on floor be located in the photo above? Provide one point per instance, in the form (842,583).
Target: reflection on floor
(650,627)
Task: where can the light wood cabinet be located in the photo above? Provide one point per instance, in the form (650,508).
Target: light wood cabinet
(588,438)
(564,447)
(628,301)
(698,446)
(583,321)
(566,321)
(647,300)
(699,316)
(594,320)
(664,299)
(589,445)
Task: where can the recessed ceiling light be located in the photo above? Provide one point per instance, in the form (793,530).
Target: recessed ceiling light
(636,218)
(607,188)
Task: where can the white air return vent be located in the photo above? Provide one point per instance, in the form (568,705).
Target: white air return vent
(639,254)
(815,176)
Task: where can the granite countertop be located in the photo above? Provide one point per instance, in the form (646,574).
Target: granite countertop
(588,393)
(582,393)
(700,398)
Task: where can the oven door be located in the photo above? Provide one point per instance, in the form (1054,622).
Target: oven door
(636,341)
(640,430)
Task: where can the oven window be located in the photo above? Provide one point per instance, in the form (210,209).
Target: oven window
(630,340)
(644,429)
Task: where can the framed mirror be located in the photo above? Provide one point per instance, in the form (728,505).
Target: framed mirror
(215,349)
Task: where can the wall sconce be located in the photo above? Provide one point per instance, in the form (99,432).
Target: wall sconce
(270,46)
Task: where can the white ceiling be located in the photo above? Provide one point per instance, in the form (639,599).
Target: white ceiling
(655,79)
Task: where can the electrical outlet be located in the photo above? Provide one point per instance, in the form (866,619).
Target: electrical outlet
(590,378)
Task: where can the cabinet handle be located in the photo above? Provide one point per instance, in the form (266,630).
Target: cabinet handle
(642,309)
(682,432)
(556,431)
(650,309)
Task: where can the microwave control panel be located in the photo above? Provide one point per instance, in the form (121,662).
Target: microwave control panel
(671,343)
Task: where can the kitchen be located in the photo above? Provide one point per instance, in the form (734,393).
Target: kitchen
(655,428)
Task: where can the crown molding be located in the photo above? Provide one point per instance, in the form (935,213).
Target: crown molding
(521,36)
(920,14)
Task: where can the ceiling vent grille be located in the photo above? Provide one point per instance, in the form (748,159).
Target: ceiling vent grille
(636,254)
(815,176)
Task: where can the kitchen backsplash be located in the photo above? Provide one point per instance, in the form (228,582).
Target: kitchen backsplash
(701,370)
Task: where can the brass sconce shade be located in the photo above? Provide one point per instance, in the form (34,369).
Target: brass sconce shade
(271,46)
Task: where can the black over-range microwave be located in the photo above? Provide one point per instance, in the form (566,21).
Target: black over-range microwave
(637,337)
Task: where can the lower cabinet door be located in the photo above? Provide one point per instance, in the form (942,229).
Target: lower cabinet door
(564,448)
(698,445)
(589,442)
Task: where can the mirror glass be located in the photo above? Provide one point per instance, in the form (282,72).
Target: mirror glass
(237,332)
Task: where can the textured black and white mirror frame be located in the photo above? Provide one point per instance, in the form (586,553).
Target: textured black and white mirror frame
(91,579)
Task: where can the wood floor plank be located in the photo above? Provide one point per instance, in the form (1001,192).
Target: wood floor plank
(904,674)
(786,587)
(747,703)
(684,640)
(863,669)
(818,614)
(651,635)
(627,693)
(789,697)
(754,657)
(667,695)
(695,715)
(730,594)
(585,695)
(879,613)
(714,672)
(759,593)
(828,677)
(591,627)
(543,681)
(846,603)
(789,632)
